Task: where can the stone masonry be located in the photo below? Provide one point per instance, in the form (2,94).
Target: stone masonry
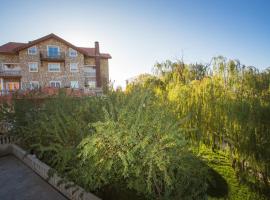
(43,76)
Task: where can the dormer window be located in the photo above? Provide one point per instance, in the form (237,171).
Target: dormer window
(72,53)
(32,50)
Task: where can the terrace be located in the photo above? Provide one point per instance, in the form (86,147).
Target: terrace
(10,70)
(23,176)
(52,57)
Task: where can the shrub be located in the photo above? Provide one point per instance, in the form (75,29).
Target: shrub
(141,145)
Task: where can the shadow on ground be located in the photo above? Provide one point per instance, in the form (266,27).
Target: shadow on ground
(217,185)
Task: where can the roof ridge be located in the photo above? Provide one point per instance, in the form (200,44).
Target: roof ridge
(15,47)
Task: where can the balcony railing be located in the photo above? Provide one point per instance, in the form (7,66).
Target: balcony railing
(9,72)
(47,56)
(89,72)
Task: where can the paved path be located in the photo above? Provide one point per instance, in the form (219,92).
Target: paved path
(19,182)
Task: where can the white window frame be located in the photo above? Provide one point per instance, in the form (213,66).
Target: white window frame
(55,83)
(30,68)
(54,64)
(77,70)
(77,83)
(73,51)
(51,45)
(31,53)
(31,87)
(88,85)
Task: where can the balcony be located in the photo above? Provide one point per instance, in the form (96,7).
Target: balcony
(52,57)
(10,70)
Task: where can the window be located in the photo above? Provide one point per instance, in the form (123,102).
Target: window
(74,67)
(55,84)
(34,85)
(53,51)
(89,71)
(12,85)
(54,67)
(72,53)
(74,84)
(33,67)
(32,50)
(92,84)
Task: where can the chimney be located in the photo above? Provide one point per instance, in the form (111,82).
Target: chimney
(97,59)
(96,48)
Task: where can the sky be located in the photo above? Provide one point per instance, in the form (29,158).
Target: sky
(138,33)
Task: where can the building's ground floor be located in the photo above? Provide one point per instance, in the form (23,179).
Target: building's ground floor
(9,85)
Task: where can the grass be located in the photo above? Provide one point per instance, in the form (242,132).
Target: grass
(220,162)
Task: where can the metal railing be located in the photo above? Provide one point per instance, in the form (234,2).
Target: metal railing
(47,56)
(10,72)
(6,71)
(90,74)
(7,92)
(89,71)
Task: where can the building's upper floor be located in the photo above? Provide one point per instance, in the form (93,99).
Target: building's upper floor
(52,58)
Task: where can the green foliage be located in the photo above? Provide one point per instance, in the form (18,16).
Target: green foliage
(143,142)
(53,128)
(141,145)
(229,106)
(220,162)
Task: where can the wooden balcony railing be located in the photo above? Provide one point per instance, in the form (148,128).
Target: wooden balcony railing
(10,73)
(46,56)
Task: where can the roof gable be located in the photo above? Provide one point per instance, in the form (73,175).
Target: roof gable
(31,43)
(10,47)
(15,47)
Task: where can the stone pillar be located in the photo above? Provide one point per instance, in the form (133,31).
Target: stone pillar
(2,86)
(97,59)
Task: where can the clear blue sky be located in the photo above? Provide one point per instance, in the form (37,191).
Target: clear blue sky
(139,33)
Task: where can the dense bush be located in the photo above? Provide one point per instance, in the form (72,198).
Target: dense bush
(53,128)
(146,142)
(142,146)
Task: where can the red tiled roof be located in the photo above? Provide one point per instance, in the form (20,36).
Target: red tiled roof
(91,52)
(14,47)
(88,51)
(10,47)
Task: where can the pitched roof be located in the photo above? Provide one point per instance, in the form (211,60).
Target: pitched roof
(15,47)
(91,52)
(10,47)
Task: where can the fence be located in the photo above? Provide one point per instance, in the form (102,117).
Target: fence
(6,139)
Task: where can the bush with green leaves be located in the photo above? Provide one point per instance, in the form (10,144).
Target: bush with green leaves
(142,146)
(53,128)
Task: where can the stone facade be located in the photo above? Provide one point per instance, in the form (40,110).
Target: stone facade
(104,71)
(43,76)
(5,58)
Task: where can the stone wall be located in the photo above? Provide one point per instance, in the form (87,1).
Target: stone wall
(89,61)
(104,72)
(6,58)
(43,75)
(104,69)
